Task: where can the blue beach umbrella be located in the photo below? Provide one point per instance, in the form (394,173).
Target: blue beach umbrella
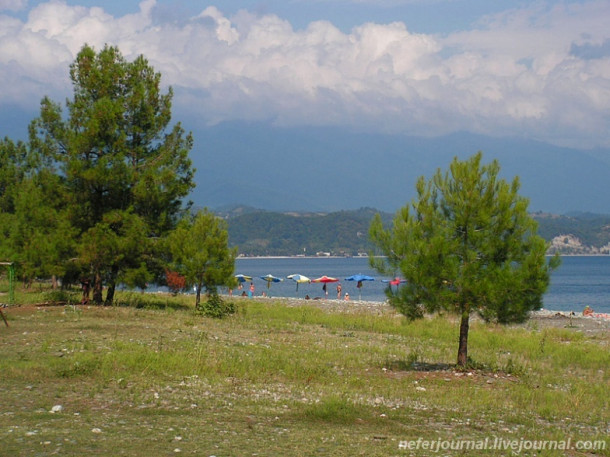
(243,278)
(359,278)
(270,279)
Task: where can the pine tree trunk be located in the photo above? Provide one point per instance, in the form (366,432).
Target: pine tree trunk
(198,297)
(97,289)
(86,291)
(111,287)
(110,294)
(462,358)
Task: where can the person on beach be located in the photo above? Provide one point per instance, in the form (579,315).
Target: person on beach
(251,289)
(346,296)
(338,291)
(324,289)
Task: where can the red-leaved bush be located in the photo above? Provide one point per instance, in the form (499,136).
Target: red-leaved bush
(175,281)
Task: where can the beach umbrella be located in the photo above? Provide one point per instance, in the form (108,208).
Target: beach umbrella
(359,278)
(394,282)
(270,279)
(325,279)
(298,279)
(243,278)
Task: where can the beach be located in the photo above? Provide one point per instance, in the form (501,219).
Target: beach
(571,320)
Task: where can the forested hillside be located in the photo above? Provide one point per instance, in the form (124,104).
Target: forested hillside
(579,233)
(269,233)
(259,233)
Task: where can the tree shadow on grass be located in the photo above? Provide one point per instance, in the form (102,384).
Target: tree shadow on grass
(410,365)
(162,305)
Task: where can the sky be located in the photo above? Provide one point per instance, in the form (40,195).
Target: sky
(527,70)
(531,69)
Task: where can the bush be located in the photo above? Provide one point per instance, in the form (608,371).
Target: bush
(216,307)
(175,281)
(61,297)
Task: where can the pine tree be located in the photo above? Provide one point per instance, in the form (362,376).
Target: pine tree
(200,252)
(123,170)
(466,244)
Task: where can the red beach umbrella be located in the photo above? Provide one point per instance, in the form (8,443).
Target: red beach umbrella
(325,279)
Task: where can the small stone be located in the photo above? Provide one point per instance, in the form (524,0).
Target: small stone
(57,409)
(96,430)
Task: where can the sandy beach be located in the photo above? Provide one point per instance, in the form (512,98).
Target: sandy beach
(574,320)
(541,319)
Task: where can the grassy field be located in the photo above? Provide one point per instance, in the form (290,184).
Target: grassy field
(279,380)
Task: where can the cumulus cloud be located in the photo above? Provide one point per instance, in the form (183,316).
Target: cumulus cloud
(541,72)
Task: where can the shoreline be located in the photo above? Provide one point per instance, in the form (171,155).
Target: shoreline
(538,320)
(297,256)
(541,313)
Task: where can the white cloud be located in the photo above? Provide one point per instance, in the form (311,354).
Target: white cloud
(517,73)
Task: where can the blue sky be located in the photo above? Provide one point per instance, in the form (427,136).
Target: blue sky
(537,70)
(530,70)
(423,16)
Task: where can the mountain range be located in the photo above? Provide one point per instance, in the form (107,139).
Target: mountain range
(331,169)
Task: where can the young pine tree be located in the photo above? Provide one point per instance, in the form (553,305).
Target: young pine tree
(466,244)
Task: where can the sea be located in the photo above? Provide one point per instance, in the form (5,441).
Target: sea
(578,282)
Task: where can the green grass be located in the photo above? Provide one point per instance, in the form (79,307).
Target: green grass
(154,378)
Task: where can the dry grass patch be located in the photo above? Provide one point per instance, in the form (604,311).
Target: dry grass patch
(284,380)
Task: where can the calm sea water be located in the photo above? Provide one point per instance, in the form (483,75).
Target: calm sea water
(578,282)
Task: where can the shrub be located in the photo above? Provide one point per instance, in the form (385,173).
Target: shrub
(215,307)
(61,297)
(175,281)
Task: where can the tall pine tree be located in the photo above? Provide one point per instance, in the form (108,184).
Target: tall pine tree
(124,171)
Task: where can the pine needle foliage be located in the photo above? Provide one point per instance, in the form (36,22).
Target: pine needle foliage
(466,244)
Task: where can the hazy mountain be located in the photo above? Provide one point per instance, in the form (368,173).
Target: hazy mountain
(331,169)
(327,169)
